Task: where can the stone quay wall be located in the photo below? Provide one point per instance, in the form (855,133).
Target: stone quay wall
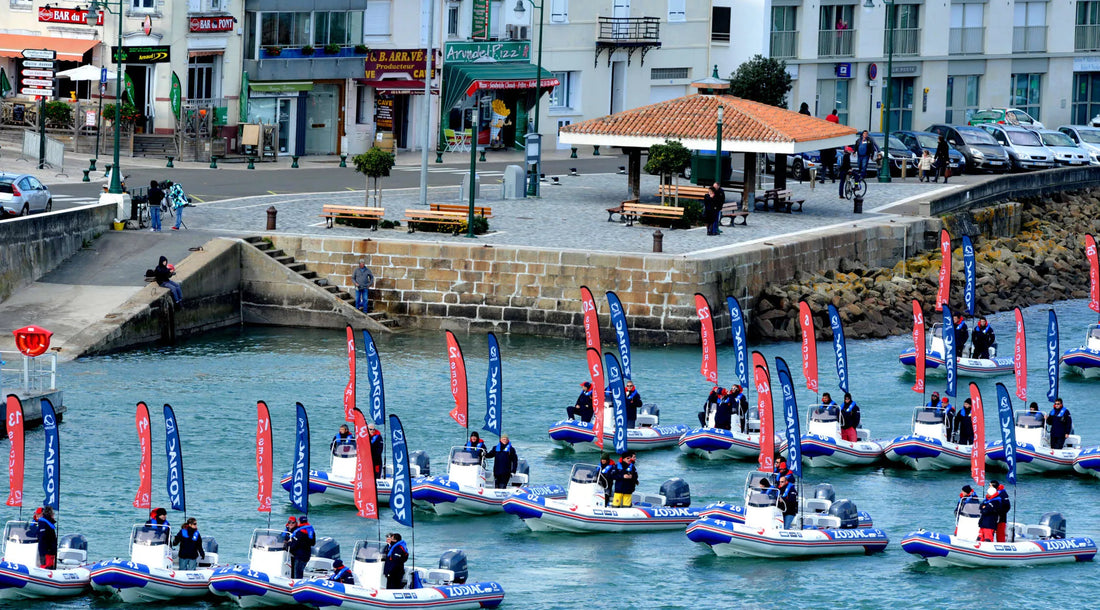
(477,288)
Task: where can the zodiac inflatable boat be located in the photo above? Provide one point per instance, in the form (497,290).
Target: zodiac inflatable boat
(464,490)
(823,446)
(1033,450)
(1088,462)
(1085,360)
(444,587)
(647,432)
(266,581)
(336,485)
(713,443)
(149,576)
(967,367)
(585,508)
(927,448)
(822,501)
(20,576)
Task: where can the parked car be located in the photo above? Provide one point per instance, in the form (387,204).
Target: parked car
(920,141)
(982,152)
(1025,148)
(1004,116)
(1087,137)
(24,193)
(1066,151)
(798,165)
(900,155)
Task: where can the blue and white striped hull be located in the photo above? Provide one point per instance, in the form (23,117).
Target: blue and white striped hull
(944,550)
(542,514)
(726,538)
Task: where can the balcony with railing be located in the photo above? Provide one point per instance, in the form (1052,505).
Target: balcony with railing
(1029,39)
(1086,38)
(966,41)
(906,42)
(834,43)
(785,45)
(628,33)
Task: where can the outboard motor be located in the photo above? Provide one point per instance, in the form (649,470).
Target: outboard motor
(455,561)
(676,492)
(824,491)
(72,550)
(650,409)
(210,545)
(523,468)
(846,511)
(327,548)
(419,458)
(1056,523)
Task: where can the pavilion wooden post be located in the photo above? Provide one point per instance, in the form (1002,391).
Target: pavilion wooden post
(780,170)
(634,173)
(749,189)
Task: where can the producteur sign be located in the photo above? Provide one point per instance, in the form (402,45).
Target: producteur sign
(383,62)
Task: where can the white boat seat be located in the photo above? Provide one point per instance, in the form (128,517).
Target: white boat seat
(1073,441)
(816,505)
(439,577)
(863,434)
(71,557)
(646,420)
(651,499)
(1038,531)
(518,480)
(820,521)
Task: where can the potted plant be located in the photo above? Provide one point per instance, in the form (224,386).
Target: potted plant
(273,51)
(307,50)
(332,49)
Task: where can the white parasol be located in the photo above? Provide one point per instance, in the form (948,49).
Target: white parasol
(86,72)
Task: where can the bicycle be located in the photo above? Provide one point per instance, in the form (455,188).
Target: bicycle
(854,185)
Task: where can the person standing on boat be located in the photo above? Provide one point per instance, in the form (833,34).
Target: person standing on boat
(158,516)
(961,333)
(990,512)
(1004,506)
(301,547)
(723,412)
(935,402)
(947,411)
(363,279)
(788,496)
(397,553)
(982,338)
(583,407)
(1061,424)
(741,404)
(190,542)
(781,469)
(47,539)
(343,438)
(291,525)
(849,419)
(716,394)
(377,444)
(505,462)
(633,403)
(341,573)
(1034,412)
(626,481)
(606,478)
(964,428)
(827,405)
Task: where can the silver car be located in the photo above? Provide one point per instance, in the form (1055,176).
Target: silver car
(1066,151)
(1087,137)
(1025,149)
(24,194)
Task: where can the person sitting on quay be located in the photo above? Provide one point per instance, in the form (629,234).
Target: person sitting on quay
(162,275)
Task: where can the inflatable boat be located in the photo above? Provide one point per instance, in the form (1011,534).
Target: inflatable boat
(1029,544)
(967,367)
(266,581)
(1033,450)
(20,576)
(823,446)
(149,574)
(647,432)
(1088,461)
(820,502)
(927,447)
(585,509)
(713,443)
(443,587)
(1085,360)
(336,485)
(466,490)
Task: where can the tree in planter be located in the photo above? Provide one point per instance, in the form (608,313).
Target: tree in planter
(375,163)
(667,160)
(762,79)
(129,114)
(59,114)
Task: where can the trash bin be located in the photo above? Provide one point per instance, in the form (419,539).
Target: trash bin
(702,168)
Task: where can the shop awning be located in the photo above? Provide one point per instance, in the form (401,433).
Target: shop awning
(288,86)
(395,85)
(204,52)
(68,49)
(461,80)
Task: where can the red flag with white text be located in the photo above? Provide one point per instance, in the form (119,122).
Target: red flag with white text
(144,496)
(591,319)
(1094,273)
(918,345)
(762,381)
(944,292)
(16,450)
(595,371)
(366,488)
(1019,357)
(349,390)
(458,381)
(977,453)
(264,470)
(709,366)
(809,346)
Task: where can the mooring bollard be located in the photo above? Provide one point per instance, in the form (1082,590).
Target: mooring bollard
(857,204)
(86,178)
(481,159)
(252,163)
(813,178)
(213,162)
(91,165)
(294,161)
(170,164)
(343,160)
(658,241)
(572,152)
(595,151)
(271,213)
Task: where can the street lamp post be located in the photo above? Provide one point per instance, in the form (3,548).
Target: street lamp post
(90,19)
(718,149)
(533,184)
(473,165)
(884,165)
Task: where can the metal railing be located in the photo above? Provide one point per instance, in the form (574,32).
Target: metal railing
(21,373)
(965,41)
(1029,39)
(1086,38)
(784,45)
(629,29)
(906,42)
(834,43)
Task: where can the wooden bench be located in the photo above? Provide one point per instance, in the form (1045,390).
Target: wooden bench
(733,211)
(672,191)
(352,212)
(635,211)
(779,200)
(484,211)
(619,210)
(454,219)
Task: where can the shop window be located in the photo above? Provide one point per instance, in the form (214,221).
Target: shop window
(203,78)
(377,19)
(962,98)
(364,106)
(344,28)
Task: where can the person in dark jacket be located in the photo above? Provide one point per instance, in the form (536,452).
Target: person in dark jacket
(788,498)
(804,109)
(625,481)
(740,404)
(781,469)
(712,208)
(301,547)
(156,199)
(341,573)
(828,165)
(342,438)
(982,339)
(633,403)
(845,168)
(964,428)
(961,334)
(1004,507)
(162,275)
(158,516)
(475,446)
(948,411)
(866,149)
(935,402)
(849,419)
(1034,412)
(711,406)
(606,478)
(827,405)
(583,408)
(397,553)
(1061,424)
(47,539)
(377,445)
(189,541)
(967,492)
(723,413)
(505,462)
(990,511)
(943,160)
(291,525)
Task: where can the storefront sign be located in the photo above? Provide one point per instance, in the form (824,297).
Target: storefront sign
(504,85)
(1086,64)
(480,29)
(143,55)
(212,24)
(73,16)
(391,62)
(468,52)
(844,70)
(383,112)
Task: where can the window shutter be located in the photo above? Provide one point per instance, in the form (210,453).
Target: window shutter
(559,11)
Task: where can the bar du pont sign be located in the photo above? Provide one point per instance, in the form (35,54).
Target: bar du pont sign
(73,16)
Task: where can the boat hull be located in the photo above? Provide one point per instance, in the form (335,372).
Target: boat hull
(251,589)
(924,453)
(19,581)
(1082,361)
(733,513)
(139,583)
(966,367)
(325,488)
(323,593)
(943,550)
(446,497)
(541,514)
(728,539)
(1030,459)
(1088,462)
(580,436)
(824,451)
(720,444)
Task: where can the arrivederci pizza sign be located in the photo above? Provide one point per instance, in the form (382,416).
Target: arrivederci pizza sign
(73,16)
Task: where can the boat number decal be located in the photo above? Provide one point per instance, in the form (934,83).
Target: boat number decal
(1063,545)
(607,513)
(1004,547)
(15,567)
(404,595)
(533,497)
(543,489)
(69,576)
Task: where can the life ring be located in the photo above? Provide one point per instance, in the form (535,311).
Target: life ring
(32,340)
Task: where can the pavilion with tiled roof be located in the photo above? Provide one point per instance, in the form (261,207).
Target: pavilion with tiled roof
(747,127)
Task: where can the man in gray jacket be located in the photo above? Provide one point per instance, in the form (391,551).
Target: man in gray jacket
(363,280)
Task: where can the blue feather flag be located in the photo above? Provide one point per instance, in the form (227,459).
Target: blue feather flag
(790,410)
(401,498)
(374,380)
(1008,429)
(950,360)
(494,389)
(618,399)
(299,473)
(970,272)
(177,493)
(740,341)
(622,333)
(51,460)
(1053,351)
(840,350)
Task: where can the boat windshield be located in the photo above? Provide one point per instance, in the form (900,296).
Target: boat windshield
(928,415)
(466,456)
(369,552)
(1094,333)
(21,531)
(756,480)
(269,540)
(764,497)
(343,449)
(584,473)
(970,507)
(822,413)
(1029,419)
(151,535)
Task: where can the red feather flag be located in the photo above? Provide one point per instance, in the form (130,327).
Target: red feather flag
(809,346)
(264,470)
(709,366)
(1019,357)
(763,383)
(591,319)
(366,488)
(595,370)
(977,453)
(918,345)
(144,497)
(458,381)
(944,292)
(349,390)
(16,449)
(1094,273)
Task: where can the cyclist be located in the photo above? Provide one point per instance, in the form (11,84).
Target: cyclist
(845,169)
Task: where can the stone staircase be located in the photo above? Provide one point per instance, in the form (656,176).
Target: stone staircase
(153,145)
(288,261)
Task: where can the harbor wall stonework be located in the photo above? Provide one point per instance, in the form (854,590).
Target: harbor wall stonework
(481,288)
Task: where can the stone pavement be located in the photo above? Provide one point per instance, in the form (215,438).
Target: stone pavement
(571,216)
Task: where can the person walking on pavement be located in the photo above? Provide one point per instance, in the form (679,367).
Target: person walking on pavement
(943,160)
(845,167)
(363,279)
(301,547)
(865,150)
(828,162)
(190,542)
(712,209)
(156,199)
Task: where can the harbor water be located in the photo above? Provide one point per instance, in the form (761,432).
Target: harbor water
(213,384)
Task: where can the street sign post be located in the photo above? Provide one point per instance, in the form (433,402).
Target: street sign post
(38,80)
(39,54)
(34,63)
